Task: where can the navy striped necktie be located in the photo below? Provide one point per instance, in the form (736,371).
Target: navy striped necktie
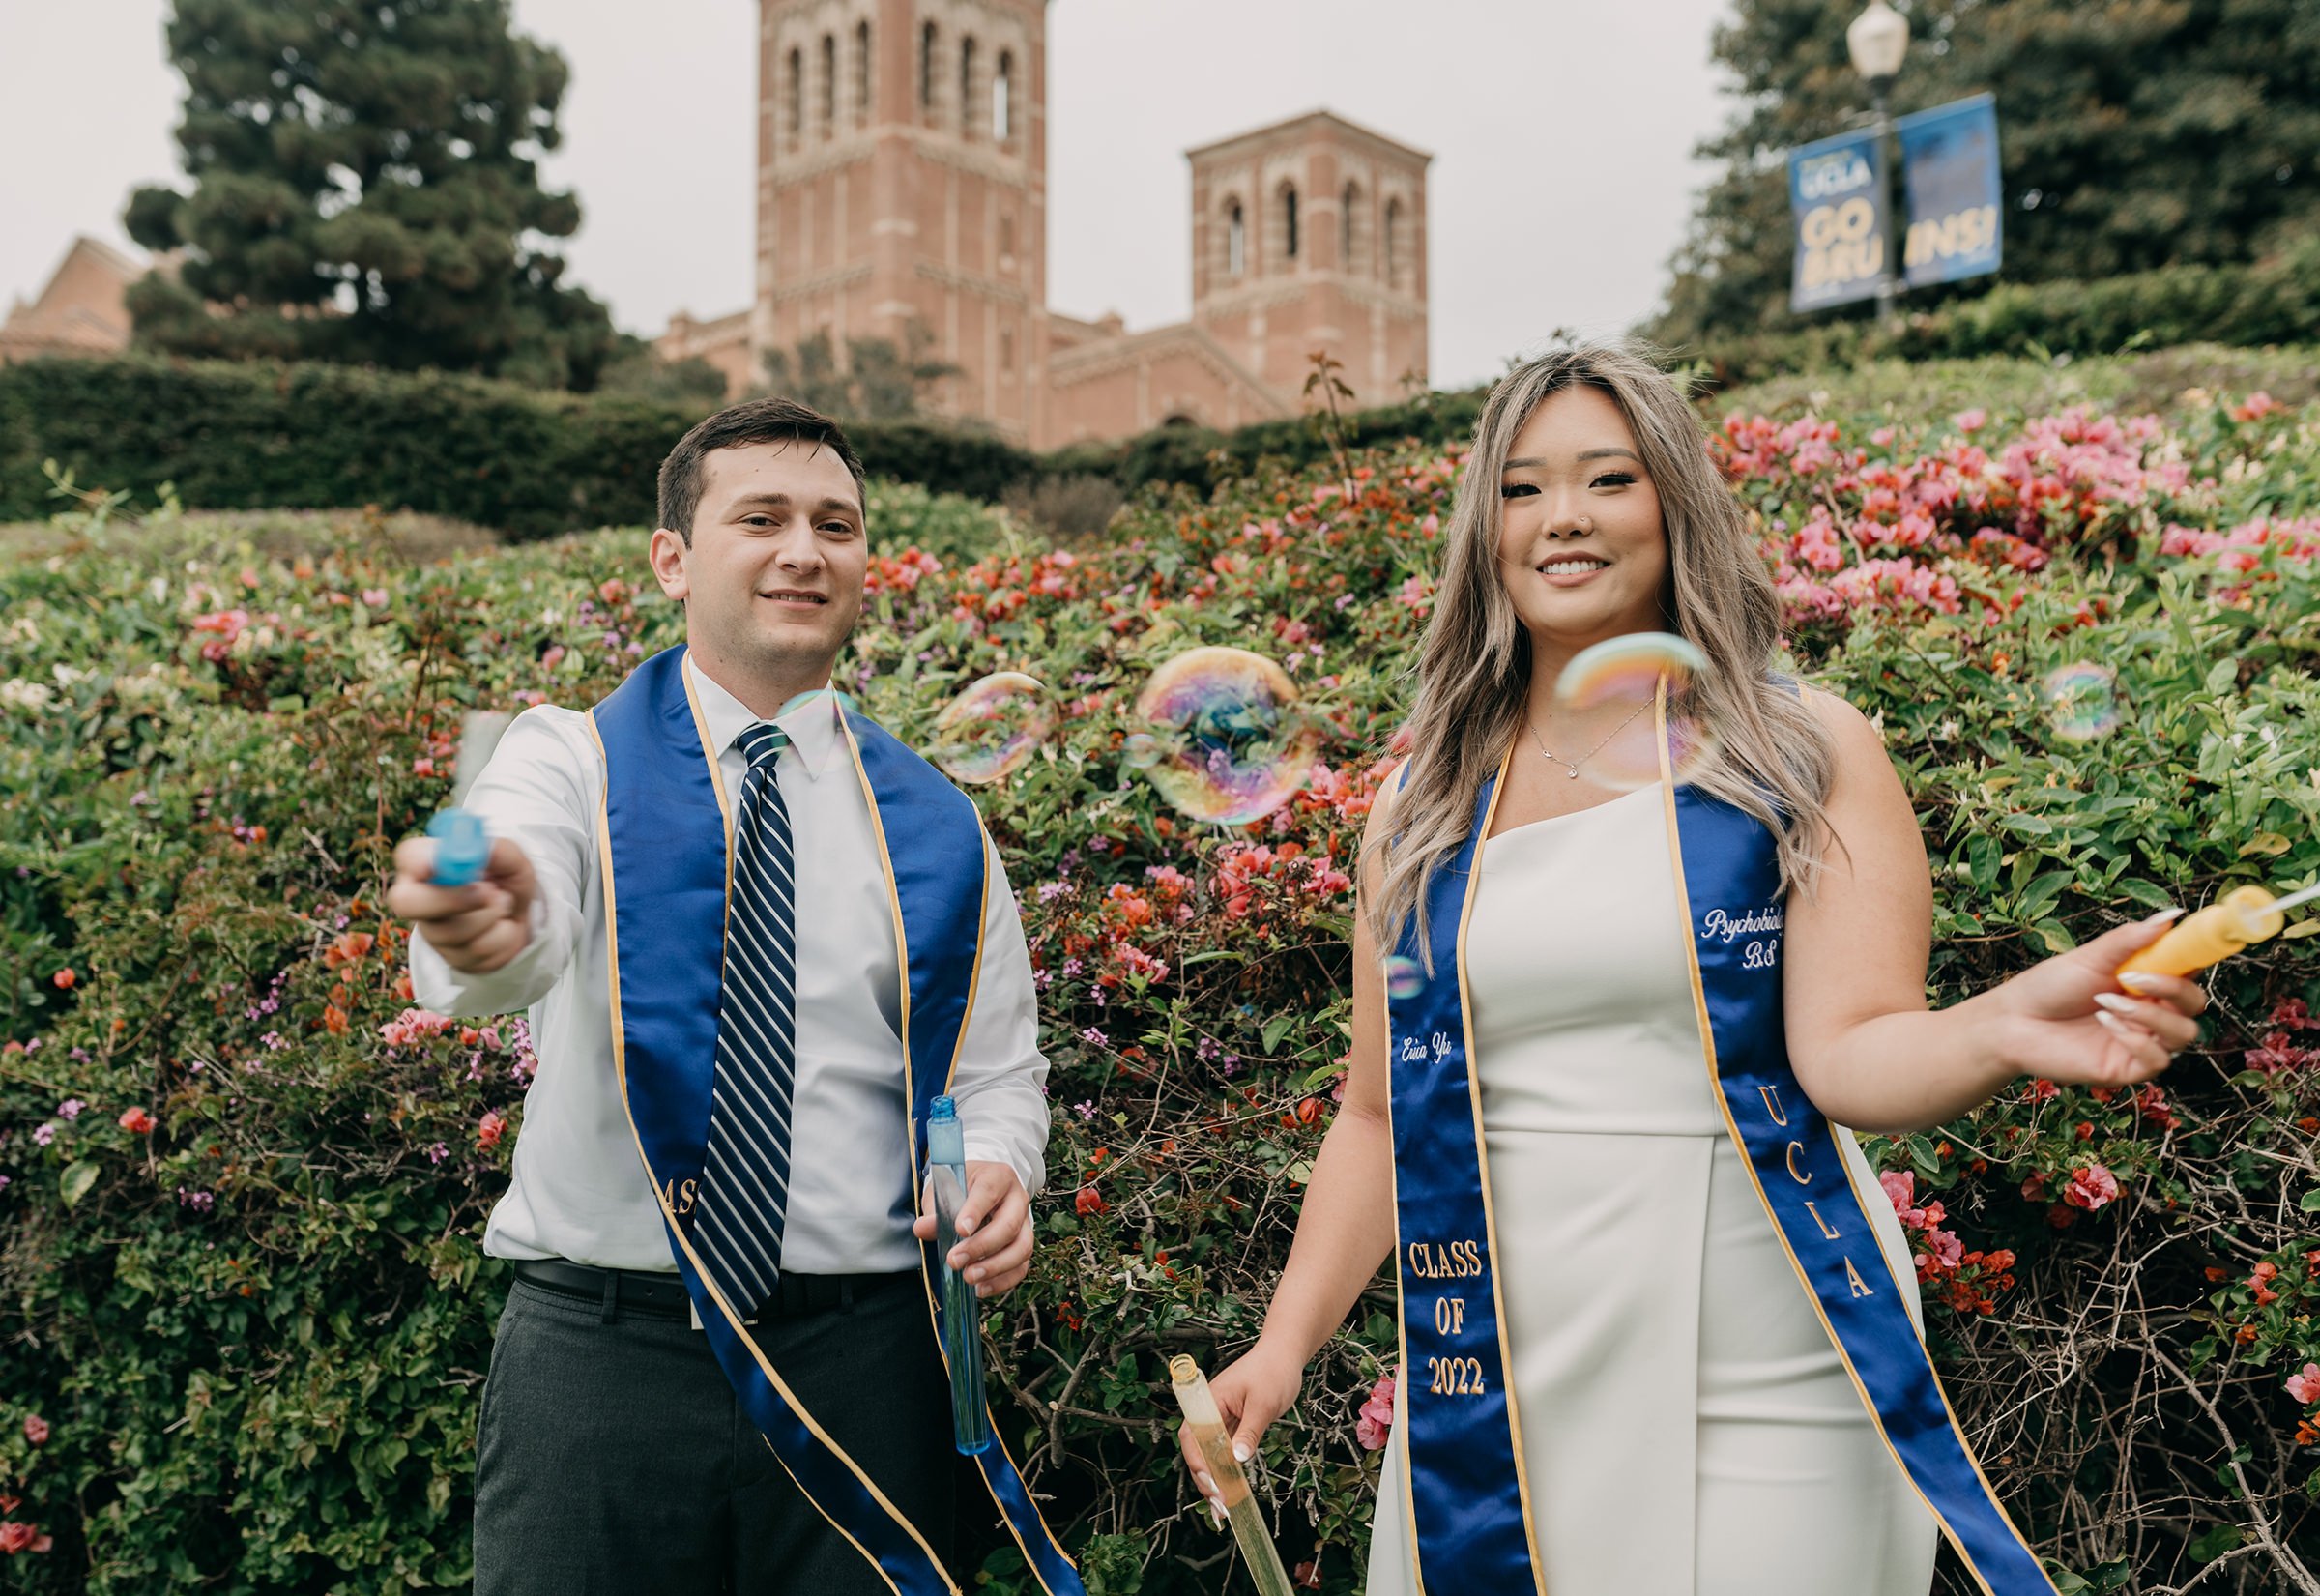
(745,1182)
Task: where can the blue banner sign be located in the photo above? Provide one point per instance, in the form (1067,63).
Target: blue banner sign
(1950,170)
(1836,192)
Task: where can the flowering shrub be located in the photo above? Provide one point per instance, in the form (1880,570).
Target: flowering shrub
(244,1179)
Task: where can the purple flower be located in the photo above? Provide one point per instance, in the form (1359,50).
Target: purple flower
(4,1182)
(1084,1108)
(70,1107)
(45,1134)
(1051,891)
(437,1153)
(1071,966)
(1095,1037)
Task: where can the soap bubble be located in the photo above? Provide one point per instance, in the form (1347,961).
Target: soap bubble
(987,731)
(1405,978)
(2082,701)
(1141,750)
(1228,742)
(1610,693)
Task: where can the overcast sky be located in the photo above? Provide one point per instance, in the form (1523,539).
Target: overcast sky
(1562,134)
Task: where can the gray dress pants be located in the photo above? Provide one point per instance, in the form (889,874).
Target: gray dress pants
(611,1458)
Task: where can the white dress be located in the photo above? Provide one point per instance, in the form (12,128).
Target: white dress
(1687,1428)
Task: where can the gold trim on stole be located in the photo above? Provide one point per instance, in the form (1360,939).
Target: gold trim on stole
(1490,1218)
(619,1069)
(1707,1045)
(909,1094)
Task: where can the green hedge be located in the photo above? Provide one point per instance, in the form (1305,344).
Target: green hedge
(2269,302)
(262,436)
(242,1306)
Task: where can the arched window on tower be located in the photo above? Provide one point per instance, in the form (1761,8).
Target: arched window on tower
(829,84)
(1289,222)
(796,93)
(1236,240)
(927,42)
(1002,98)
(967,87)
(1350,229)
(1393,244)
(861,74)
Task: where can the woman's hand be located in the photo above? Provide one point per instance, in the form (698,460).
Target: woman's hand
(1251,1392)
(2067,1019)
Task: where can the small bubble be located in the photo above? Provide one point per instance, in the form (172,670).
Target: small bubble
(987,733)
(2082,701)
(1405,978)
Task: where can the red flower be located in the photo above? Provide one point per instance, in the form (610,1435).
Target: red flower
(488,1129)
(36,1429)
(64,979)
(1088,1201)
(137,1123)
(2091,1187)
(21,1537)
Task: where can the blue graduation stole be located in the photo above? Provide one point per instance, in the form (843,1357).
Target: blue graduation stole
(1469,1499)
(666,849)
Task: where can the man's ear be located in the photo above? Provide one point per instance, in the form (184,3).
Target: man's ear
(666,552)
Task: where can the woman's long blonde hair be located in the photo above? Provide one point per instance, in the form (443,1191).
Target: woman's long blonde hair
(1773,758)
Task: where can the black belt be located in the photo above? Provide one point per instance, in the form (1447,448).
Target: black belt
(657,1294)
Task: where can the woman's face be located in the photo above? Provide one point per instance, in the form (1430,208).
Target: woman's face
(1581,547)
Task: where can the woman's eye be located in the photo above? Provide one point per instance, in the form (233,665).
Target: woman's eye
(1613,478)
(1517,490)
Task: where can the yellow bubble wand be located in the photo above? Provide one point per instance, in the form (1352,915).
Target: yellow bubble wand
(1207,1426)
(2240,919)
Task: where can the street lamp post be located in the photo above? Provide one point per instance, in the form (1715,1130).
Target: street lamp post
(1876,41)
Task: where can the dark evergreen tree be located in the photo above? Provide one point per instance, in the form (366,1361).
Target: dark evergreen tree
(364,187)
(2132,135)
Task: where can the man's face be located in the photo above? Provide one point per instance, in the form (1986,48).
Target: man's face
(773,579)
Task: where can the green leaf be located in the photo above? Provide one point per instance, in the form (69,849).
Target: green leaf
(2208,1547)
(2310,1202)
(1277,1027)
(76,1180)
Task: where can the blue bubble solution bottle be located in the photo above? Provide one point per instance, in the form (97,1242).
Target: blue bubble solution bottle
(962,1310)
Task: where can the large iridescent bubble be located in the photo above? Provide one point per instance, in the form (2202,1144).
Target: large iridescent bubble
(1615,735)
(1219,732)
(986,732)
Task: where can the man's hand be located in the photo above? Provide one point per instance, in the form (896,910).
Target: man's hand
(477,928)
(995,1230)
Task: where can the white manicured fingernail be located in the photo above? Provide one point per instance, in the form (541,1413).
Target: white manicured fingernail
(1242,1452)
(2117,1028)
(2114,1002)
(1216,1511)
(2142,981)
(2163,917)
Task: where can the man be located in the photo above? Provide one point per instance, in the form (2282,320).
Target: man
(757,936)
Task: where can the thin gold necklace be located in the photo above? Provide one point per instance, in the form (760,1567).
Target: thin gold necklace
(1591,752)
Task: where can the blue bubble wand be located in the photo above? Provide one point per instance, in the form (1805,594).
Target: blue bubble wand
(462,846)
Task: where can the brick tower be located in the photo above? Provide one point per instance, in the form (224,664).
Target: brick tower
(1311,234)
(902,190)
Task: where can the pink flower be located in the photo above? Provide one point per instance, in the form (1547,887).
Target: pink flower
(137,1121)
(36,1430)
(2305,1384)
(1376,1415)
(2090,1187)
(490,1128)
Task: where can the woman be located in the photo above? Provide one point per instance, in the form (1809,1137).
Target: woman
(1658,1319)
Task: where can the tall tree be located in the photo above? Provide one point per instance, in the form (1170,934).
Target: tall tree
(2131,133)
(365,187)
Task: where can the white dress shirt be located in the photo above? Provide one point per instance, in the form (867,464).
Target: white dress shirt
(579,1189)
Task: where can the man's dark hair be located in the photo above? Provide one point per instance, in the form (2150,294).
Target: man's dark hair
(753,422)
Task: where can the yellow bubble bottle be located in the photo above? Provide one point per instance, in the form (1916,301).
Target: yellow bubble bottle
(2245,916)
(1215,1445)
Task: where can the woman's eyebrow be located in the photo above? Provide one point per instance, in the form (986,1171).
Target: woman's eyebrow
(1584,455)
